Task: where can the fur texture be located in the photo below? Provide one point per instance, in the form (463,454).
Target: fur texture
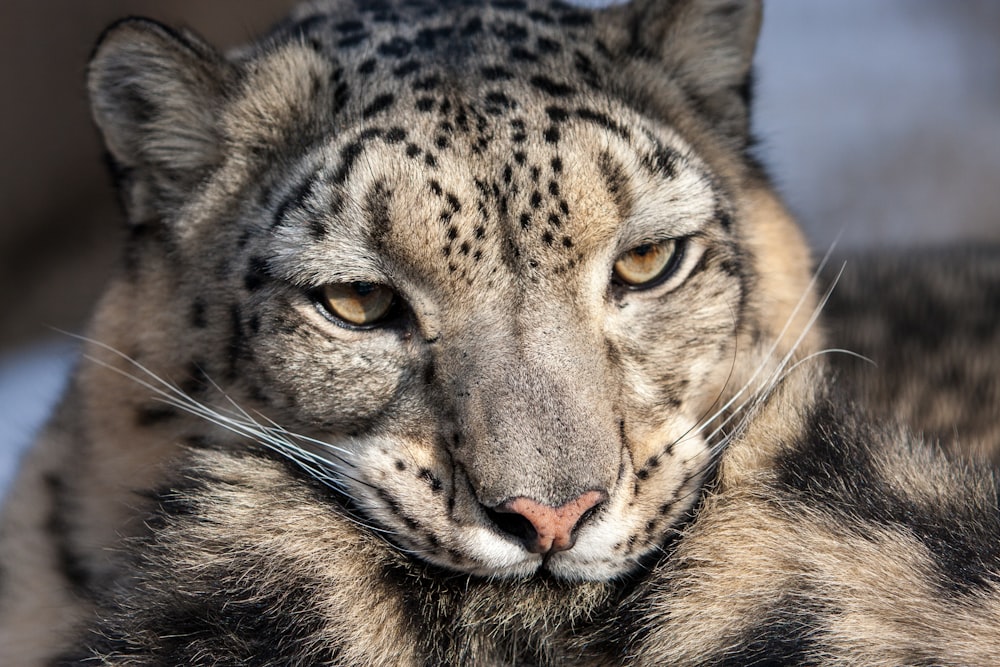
(590,423)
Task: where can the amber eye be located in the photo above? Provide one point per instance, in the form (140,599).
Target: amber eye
(649,264)
(360,304)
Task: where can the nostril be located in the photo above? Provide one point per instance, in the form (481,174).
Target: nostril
(514,525)
(585,517)
(543,528)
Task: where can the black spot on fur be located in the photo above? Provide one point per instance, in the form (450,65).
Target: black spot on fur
(393,506)
(550,87)
(616,183)
(154,415)
(407,68)
(552,135)
(497,103)
(576,19)
(428,83)
(236,349)
(196,380)
(514,5)
(295,200)
(377,209)
(341,95)
(431,479)
(348,156)
(585,67)
(496,73)
(662,162)
(429,38)
(57,524)
(199,319)
(511,32)
(546,45)
(349,26)
(394,135)
(603,121)
(397,47)
(724,219)
(521,54)
(256,275)
(378,105)
(557,114)
(352,40)
(473,27)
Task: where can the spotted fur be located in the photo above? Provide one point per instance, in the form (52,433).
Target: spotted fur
(238,476)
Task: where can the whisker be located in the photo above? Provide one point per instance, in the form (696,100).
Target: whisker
(236,420)
(777,340)
(775,377)
(819,353)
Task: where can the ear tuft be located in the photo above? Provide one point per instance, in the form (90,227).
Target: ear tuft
(156,95)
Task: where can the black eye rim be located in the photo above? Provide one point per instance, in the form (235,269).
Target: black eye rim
(394,315)
(667,272)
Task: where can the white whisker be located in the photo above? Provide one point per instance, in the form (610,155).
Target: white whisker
(774,346)
(236,420)
(778,372)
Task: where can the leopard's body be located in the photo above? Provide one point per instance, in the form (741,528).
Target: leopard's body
(469,332)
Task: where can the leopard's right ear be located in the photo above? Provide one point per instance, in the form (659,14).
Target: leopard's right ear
(156,95)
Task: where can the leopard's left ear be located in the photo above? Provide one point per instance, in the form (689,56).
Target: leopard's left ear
(704,46)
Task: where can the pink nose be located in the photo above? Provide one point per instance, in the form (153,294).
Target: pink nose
(551,529)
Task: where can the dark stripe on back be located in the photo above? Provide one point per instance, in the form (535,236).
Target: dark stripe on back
(833,469)
(783,636)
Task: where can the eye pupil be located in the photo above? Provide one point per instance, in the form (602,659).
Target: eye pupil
(358,303)
(643,250)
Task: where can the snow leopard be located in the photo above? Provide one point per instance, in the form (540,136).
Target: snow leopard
(473,332)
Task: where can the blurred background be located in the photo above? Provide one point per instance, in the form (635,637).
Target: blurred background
(880,122)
